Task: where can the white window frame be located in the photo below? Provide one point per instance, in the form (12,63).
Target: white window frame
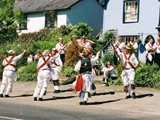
(131,11)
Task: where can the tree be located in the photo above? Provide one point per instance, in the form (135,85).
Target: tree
(8,20)
(82,29)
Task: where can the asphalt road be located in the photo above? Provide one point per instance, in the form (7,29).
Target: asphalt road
(108,104)
(25,112)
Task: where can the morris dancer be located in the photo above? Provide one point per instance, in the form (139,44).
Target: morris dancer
(56,66)
(85,44)
(133,43)
(44,75)
(9,72)
(129,64)
(61,49)
(85,80)
(119,44)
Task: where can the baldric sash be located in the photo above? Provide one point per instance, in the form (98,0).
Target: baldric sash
(127,60)
(9,62)
(45,63)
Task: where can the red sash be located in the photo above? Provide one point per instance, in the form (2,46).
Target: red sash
(127,61)
(9,62)
(45,63)
(79,83)
(62,48)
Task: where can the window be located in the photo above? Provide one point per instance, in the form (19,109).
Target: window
(47,20)
(50,19)
(126,39)
(23,24)
(131,11)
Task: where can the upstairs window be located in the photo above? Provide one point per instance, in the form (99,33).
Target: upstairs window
(131,11)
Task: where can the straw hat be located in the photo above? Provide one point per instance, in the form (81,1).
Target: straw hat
(11,52)
(86,53)
(45,52)
(127,47)
(54,49)
(83,37)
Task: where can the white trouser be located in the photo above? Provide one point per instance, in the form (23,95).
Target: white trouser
(86,89)
(128,79)
(43,79)
(7,80)
(55,75)
(93,76)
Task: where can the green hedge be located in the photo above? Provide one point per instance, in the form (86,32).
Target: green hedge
(28,72)
(148,76)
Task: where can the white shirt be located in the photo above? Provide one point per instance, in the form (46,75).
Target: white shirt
(133,60)
(134,44)
(149,46)
(41,61)
(56,63)
(59,47)
(93,62)
(120,45)
(157,45)
(106,70)
(14,61)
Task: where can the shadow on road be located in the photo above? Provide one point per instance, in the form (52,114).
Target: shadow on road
(23,95)
(59,98)
(106,93)
(144,95)
(103,102)
(67,90)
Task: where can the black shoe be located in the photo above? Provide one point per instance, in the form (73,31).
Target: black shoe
(127,97)
(40,99)
(1,95)
(6,95)
(133,95)
(93,94)
(35,98)
(84,103)
(80,103)
(56,91)
(45,93)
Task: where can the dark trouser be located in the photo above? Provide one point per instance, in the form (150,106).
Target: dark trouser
(157,59)
(150,62)
(62,56)
(115,60)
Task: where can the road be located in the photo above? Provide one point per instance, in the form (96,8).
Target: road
(108,104)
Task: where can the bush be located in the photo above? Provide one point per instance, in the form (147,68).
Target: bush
(108,57)
(69,71)
(148,76)
(28,72)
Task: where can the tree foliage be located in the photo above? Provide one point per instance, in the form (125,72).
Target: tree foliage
(8,20)
(82,29)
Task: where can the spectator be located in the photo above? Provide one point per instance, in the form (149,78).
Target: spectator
(109,72)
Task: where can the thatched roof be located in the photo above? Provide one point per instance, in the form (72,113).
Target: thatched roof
(29,6)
